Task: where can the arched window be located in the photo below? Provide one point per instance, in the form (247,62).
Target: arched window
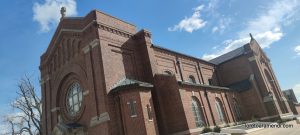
(197,113)
(191,79)
(237,110)
(220,110)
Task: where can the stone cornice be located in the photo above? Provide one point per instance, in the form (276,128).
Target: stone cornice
(114,30)
(90,46)
(44,80)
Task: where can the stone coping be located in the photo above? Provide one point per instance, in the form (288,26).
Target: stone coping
(203,85)
(241,129)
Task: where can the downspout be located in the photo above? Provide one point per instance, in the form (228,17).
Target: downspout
(204,110)
(217,75)
(200,73)
(205,93)
(179,67)
(211,112)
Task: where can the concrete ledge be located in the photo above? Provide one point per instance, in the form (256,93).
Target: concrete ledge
(269,99)
(213,133)
(86,49)
(55,109)
(287,116)
(91,45)
(269,117)
(188,131)
(85,93)
(99,119)
(252,58)
(240,129)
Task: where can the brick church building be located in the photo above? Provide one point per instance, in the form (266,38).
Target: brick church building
(100,76)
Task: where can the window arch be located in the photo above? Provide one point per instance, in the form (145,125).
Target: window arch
(191,79)
(220,110)
(166,72)
(237,110)
(197,111)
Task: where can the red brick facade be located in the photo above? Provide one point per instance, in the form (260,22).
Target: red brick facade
(130,86)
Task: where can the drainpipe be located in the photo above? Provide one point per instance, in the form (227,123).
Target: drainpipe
(199,67)
(211,112)
(179,67)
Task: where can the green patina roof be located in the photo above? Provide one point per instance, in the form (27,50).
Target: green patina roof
(126,82)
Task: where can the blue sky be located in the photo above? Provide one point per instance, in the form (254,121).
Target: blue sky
(202,28)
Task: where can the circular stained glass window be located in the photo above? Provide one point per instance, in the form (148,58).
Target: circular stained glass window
(74,99)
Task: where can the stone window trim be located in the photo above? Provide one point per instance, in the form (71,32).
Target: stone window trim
(55,109)
(132,108)
(167,72)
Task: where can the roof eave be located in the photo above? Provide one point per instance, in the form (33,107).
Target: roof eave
(185,55)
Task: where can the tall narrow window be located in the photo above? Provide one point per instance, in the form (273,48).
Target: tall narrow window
(192,79)
(132,108)
(237,110)
(150,117)
(220,110)
(197,113)
(210,81)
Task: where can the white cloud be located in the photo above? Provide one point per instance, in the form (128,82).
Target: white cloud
(297,49)
(265,39)
(212,6)
(296,89)
(223,23)
(266,28)
(214,29)
(210,56)
(273,17)
(229,46)
(48,13)
(192,23)
(15,117)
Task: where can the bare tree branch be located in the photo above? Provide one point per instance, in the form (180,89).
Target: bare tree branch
(29,104)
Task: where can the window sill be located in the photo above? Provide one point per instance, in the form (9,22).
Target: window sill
(132,116)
